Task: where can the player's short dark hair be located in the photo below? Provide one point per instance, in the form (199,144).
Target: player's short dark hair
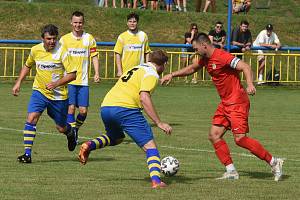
(219,22)
(77,14)
(133,15)
(158,57)
(244,22)
(203,37)
(49,28)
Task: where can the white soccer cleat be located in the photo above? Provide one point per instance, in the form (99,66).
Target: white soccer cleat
(233,175)
(277,169)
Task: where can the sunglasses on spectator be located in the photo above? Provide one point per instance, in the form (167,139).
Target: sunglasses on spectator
(218,26)
(194,28)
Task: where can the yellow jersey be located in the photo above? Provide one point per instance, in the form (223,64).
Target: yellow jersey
(80,50)
(50,66)
(126,92)
(132,47)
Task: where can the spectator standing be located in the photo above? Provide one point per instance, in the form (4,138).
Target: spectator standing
(154,4)
(212,4)
(217,36)
(198,5)
(266,38)
(241,6)
(169,4)
(144,6)
(113,3)
(183,5)
(132,46)
(241,37)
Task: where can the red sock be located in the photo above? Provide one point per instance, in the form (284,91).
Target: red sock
(223,153)
(255,148)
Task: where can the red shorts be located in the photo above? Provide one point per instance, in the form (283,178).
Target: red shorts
(234,117)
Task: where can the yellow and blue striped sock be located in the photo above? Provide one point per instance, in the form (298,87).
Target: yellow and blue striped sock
(100,142)
(71,120)
(80,120)
(29,135)
(153,161)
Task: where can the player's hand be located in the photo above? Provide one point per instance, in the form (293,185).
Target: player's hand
(51,86)
(96,78)
(166,79)
(16,89)
(165,127)
(251,90)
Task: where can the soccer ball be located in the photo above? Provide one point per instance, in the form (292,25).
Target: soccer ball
(169,166)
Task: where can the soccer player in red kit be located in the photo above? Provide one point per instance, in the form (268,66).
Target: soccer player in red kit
(233,110)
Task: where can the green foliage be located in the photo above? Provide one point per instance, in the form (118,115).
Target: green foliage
(120,172)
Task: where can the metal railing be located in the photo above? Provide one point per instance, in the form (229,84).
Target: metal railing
(286,63)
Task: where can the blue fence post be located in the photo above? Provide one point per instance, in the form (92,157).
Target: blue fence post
(229,14)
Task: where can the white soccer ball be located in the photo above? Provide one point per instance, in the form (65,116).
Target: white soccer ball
(169,166)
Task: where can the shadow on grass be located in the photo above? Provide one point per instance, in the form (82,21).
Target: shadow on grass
(67,159)
(261,175)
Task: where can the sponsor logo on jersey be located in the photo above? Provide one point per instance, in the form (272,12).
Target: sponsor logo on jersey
(78,52)
(49,65)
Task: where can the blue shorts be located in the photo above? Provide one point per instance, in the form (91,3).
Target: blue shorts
(168,2)
(56,109)
(118,120)
(78,95)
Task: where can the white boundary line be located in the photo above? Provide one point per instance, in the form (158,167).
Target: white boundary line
(162,146)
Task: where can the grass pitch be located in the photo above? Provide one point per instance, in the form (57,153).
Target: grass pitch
(120,172)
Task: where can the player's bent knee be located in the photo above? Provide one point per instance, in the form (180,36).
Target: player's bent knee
(61,129)
(116,142)
(149,145)
(238,137)
(83,111)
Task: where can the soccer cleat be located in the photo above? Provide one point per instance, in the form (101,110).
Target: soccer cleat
(72,139)
(25,158)
(233,175)
(277,169)
(156,185)
(76,135)
(84,153)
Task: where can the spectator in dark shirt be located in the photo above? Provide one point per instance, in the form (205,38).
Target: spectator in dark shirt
(217,36)
(241,37)
(188,38)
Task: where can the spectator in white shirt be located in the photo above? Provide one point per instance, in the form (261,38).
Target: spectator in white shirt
(266,38)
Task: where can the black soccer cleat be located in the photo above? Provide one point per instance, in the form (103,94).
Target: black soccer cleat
(72,139)
(25,158)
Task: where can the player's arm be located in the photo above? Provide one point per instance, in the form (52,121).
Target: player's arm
(64,80)
(119,65)
(24,71)
(246,69)
(95,61)
(194,67)
(148,106)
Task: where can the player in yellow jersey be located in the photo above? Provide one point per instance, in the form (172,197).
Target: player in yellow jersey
(81,47)
(121,112)
(49,88)
(132,46)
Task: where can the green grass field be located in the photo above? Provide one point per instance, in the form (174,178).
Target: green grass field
(120,172)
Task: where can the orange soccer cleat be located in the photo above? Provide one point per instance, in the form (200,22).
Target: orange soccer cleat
(156,185)
(84,153)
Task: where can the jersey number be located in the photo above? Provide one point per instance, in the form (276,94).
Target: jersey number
(128,75)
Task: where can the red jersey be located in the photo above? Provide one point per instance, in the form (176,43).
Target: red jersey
(221,66)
